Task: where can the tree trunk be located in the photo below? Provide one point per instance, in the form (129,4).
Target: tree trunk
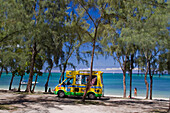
(35,83)
(124,83)
(13,75)
(20,83)
(63,71)
(29,85)
(151,83)
(130,96)
(151,80)
(146,82)
(131,66)
(1,71)
(46,85)
(91,68)
(124,76)
(65,64)
(63,74)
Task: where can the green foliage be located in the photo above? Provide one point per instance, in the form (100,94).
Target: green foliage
(120,28)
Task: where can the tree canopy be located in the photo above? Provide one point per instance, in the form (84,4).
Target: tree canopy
(134,33)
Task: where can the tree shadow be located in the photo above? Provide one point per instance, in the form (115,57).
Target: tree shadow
(26,102)
(80,97)
(51,101)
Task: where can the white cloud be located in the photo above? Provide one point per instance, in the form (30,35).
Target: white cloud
(55,71)
(135,69)
(84,69)
(108,69)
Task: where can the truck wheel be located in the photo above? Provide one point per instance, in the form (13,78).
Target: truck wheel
(91,96)
(61,94)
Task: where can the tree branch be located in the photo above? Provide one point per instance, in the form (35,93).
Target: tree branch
(156,4)
(11,34)
(88,13)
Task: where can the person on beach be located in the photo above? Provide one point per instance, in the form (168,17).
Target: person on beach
(135,91)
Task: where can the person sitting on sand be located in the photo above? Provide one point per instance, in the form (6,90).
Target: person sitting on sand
(135,91)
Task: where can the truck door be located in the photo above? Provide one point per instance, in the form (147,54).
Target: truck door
(68,85)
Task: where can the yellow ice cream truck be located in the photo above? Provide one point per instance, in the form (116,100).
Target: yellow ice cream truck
(76,82)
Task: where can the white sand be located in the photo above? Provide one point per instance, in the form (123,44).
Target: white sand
(50,103)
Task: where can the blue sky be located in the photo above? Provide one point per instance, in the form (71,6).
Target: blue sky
(101,62)
(107,65)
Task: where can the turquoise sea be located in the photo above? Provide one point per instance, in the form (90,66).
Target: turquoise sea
(113,84)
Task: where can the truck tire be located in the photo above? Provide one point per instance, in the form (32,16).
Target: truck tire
(61,94)
(91,96)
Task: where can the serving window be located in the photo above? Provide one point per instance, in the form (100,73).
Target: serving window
(83,79)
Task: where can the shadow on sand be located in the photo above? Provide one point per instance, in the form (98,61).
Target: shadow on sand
(52,101)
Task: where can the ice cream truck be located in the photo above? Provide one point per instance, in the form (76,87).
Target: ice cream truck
(76,82)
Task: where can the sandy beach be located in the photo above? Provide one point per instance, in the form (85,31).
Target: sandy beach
(14,102)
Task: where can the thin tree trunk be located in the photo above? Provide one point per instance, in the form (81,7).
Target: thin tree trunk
(124,77)
(35,83)
(151,80)
(11,81)
(91,68)
(63,74)
(124,83)
(63,71)
(46,85)
(130,84)
(131,66)
(146,82)
(29,85)
(65,64)
(1,71)
(151,83)
(20,83)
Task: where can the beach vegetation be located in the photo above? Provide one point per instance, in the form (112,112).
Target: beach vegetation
(39,62)
(20,73)
(153,27)
(92,27)
(36,32)
(139,29)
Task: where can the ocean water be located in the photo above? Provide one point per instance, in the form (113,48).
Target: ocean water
(113,84)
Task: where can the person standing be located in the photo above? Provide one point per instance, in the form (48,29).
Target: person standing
(135,91)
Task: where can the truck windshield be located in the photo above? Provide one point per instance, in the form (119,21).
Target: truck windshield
(69,81)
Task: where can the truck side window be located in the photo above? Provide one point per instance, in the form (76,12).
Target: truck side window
(78,79)
(69,81)
(94,77)
(85,79)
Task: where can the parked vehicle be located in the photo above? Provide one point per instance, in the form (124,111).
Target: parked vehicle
(76,82)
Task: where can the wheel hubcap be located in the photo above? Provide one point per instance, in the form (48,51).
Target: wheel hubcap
(91,96)
(61,94)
